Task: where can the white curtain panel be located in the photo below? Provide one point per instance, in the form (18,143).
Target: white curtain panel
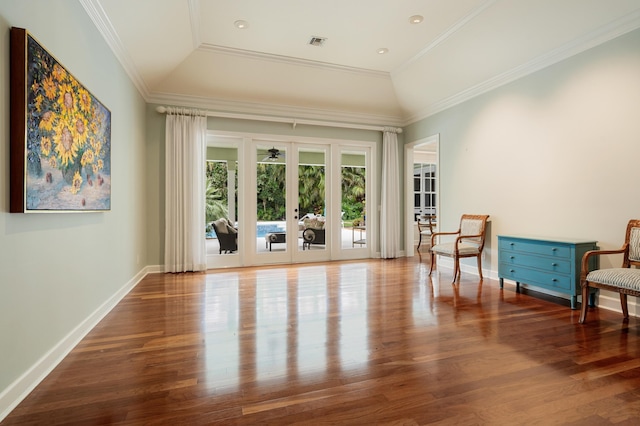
(184,235)
(389,212)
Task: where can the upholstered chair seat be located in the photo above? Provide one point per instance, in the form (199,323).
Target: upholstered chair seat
(624,280)
(621,277)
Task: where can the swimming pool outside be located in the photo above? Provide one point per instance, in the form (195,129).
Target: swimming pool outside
(262,229)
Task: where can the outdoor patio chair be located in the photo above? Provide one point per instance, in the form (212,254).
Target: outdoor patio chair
(227,235)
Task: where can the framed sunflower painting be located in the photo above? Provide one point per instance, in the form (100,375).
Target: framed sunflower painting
(60,136)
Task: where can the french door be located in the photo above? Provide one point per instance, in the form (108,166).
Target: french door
(289,183)
(291,202)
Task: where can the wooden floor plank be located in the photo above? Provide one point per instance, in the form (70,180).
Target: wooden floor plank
(356,342)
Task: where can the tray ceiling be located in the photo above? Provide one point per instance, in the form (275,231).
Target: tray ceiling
(191,53)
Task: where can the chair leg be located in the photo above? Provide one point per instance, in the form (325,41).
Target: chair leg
(584,307)
(456,268)
(433,261)
(480,267)
(623,302)
(419,242)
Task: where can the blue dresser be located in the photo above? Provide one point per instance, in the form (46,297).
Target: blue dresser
(552,264)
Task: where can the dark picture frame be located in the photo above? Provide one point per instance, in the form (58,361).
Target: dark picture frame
(60,135)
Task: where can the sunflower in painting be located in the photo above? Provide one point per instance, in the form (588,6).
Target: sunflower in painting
(76,183)
(66,100)
(45,146)
(50,87)
(66,149)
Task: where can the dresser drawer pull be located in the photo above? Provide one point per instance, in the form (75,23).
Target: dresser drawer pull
(554,264)
(555,280)
(512,257)
(512,270)
(554,249)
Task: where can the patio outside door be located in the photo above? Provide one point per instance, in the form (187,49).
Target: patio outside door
(291,211)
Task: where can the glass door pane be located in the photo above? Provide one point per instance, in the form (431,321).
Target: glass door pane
(271,199)
(353,175)
(222,228)
(313,232)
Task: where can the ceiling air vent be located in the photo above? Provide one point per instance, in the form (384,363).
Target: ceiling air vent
(317,41)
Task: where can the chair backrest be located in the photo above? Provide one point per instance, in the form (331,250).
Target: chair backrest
(474,224)
(425,223)
(222,226)
(632,239)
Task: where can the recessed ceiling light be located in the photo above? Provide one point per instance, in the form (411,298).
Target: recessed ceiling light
(240,24)
(382,50)
(416,19)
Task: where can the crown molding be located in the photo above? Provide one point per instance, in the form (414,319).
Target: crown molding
(194,21)
(248,54)
(104,26)
(602,35)
(444,36)
(273,110)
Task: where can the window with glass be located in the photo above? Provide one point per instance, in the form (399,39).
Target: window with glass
(424,190)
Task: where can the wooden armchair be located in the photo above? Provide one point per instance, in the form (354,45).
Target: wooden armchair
(469,242)
(425,228)
(624,280)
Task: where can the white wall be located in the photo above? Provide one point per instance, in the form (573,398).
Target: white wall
(59,272)
(554,154)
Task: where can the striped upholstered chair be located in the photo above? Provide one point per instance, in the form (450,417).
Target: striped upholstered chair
(469,242)
(624,280)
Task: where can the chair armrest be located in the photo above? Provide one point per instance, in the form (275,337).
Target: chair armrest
(462,237)
(584,269)
(435,234)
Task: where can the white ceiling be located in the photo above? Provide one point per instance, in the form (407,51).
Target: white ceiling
(189,53)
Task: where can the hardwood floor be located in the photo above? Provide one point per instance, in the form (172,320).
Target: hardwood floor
(358,342)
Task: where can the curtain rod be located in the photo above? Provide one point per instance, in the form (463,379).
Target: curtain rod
(293,122)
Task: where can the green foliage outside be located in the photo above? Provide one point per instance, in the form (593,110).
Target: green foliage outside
(271,191)
(311,189)
(271,196)
(353,192)
(216,191)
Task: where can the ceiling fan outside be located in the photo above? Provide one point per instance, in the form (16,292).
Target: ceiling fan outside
(274,154)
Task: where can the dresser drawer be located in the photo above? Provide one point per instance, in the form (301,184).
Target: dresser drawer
(560,282)
(544,263)
(543,248)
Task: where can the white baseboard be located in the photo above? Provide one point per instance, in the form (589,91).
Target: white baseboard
(611,301)
(155,269)
(605,299)
(23,385)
